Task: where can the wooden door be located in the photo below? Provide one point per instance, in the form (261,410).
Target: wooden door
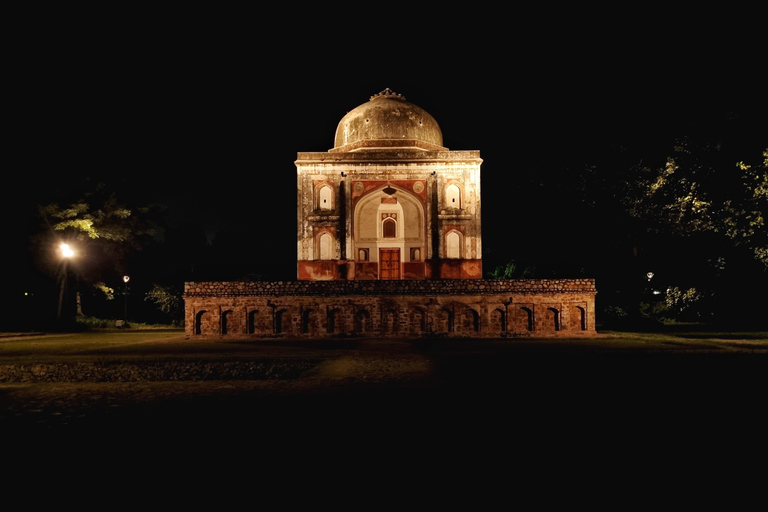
(389,263)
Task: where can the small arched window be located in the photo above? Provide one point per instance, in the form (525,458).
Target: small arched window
(389,228)
(452,196)
(325,198)
(326,247)
(453,245)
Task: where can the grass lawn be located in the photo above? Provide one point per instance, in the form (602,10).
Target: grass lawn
(636,408)
(65,379)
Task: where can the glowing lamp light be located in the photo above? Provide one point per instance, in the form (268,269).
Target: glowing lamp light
(126,279)
(66,251)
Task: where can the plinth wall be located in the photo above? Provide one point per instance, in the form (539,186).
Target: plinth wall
(397,308)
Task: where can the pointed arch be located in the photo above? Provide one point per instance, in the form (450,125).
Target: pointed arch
(452,196)
(362,321)
(553,318)
(389,320)
(252,318)
(226,317)
(282,321)
(326,242)
(325,198)
(336,321)
(308,321)
(471,320)
(527,318)
(499,320)
(453,245)
(418,320)
(581,314)
(200,317)
(445,320)
(389,228)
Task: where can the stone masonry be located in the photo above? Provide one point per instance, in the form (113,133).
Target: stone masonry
(406,308)
(389,244)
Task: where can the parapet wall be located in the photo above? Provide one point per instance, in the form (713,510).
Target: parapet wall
(394,287)
(404,308)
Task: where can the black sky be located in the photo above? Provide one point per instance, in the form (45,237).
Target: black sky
(206,112)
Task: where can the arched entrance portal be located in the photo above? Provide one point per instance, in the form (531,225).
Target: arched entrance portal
(389,232)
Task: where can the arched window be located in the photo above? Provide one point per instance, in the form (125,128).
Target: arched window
(453,245)
(452,196)
(325,198)
(326,247)
(389,228)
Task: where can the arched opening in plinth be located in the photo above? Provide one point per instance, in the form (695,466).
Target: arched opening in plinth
(553,318)
(226,317)
(199,316)
(362,321)
(282,321)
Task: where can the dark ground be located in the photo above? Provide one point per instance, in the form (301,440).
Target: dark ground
(357,385)
(454,408)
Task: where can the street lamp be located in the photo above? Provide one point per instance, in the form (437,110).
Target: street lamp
(66,254)
(125,317)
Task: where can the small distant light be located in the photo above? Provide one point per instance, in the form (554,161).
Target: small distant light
(649,275)
(126,279)
(657,292)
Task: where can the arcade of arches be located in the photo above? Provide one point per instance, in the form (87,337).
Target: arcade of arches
(496,308)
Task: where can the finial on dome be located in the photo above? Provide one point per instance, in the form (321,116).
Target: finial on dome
(387,93)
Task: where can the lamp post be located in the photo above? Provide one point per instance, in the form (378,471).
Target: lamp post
(66,254)
(125,317)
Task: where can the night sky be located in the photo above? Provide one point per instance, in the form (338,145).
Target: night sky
(206,113)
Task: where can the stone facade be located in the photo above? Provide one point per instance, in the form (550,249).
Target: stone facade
(389,244)
(406,308)
(388,201)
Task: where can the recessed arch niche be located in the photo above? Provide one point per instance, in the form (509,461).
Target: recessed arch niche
(395,219)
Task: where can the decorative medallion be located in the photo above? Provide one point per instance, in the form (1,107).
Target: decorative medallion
(418,187)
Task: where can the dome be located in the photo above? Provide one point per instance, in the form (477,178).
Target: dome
(388,121)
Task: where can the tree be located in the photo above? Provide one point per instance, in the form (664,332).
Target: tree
(168,301)
(704,212)
(696,192)
(107,231)
(745,221)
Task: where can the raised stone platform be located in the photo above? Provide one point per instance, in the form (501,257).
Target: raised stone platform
(401,308)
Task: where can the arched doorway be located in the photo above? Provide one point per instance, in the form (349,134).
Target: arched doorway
(389,233)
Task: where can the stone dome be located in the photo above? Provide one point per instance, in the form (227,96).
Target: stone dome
(388,121)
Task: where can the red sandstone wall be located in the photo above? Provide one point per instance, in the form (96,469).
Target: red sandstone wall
(489,308)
